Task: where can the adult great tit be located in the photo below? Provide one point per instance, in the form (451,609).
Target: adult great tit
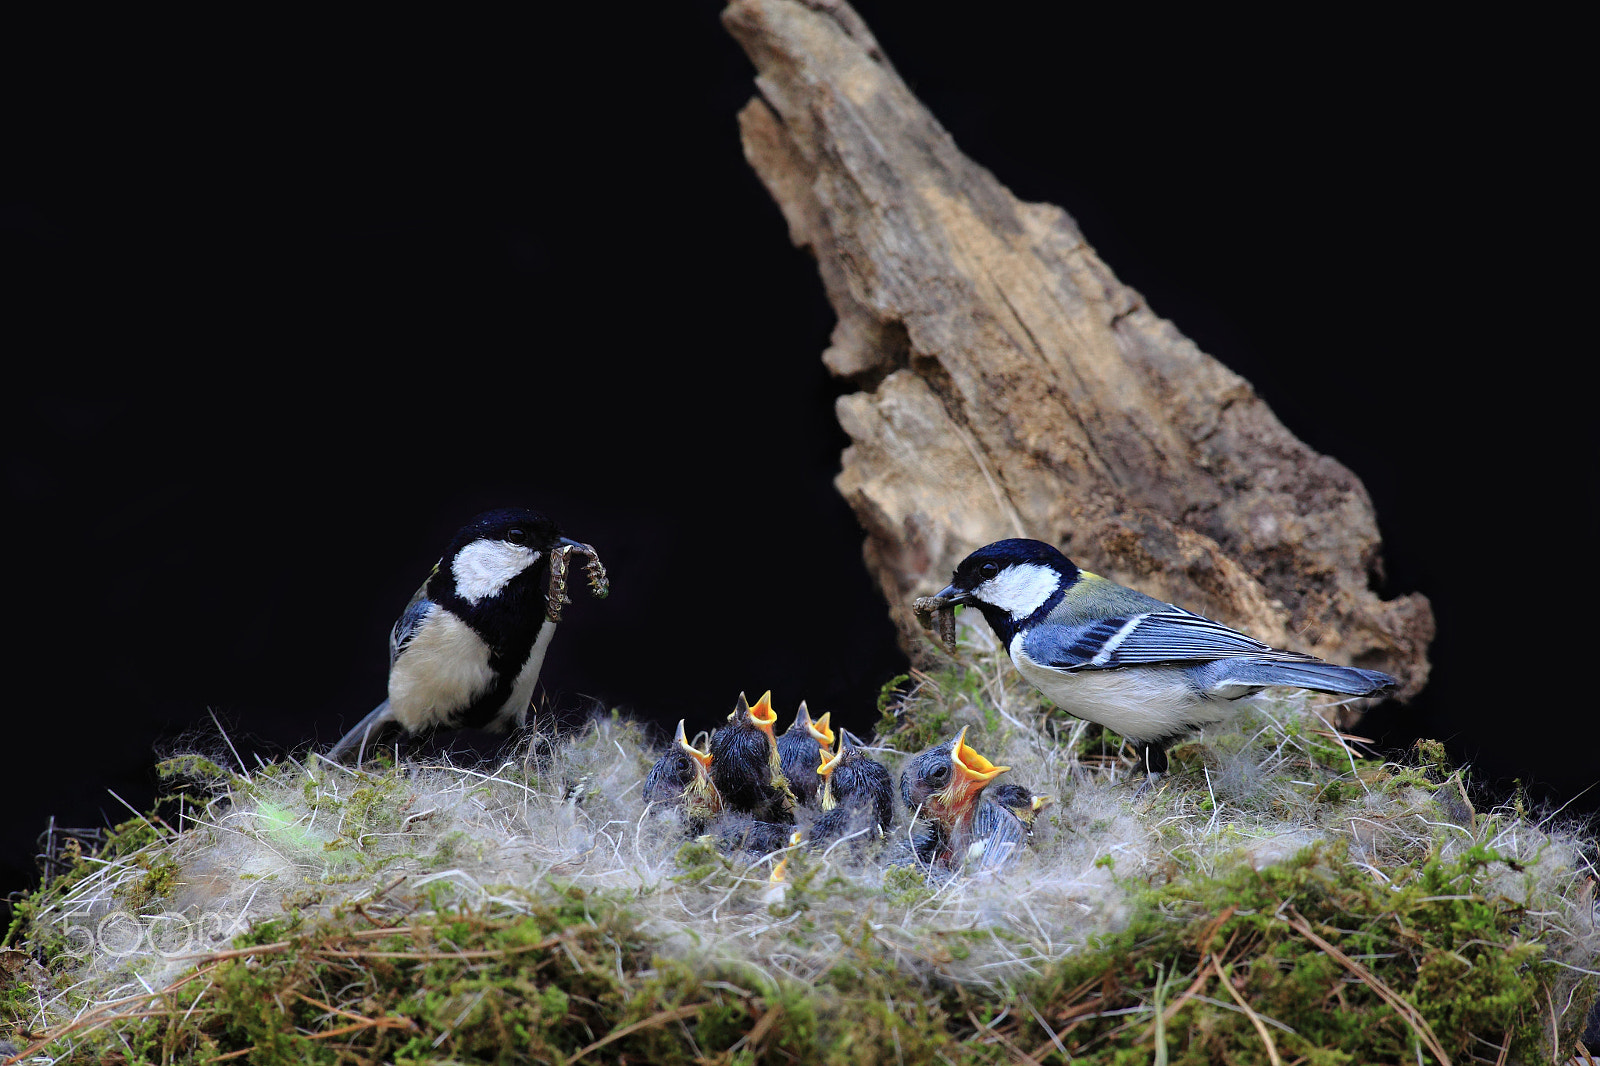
(467,649)
(1148,670)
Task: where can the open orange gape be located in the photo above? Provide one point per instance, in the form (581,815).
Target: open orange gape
(970,772)
(762,716)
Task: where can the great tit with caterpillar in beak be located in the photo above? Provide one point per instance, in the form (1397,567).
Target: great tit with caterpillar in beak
(467,649)
(1100,651)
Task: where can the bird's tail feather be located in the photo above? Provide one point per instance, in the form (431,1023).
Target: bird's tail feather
(364,731)
(1318,676)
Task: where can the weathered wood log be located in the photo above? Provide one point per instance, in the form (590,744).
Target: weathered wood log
(1010,385)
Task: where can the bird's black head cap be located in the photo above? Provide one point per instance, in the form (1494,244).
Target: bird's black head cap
(989,560)
(518,525)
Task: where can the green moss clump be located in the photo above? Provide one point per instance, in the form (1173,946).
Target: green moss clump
(1434,939)
(160,878)
(196,770)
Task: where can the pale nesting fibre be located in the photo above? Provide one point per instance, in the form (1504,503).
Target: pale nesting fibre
(314,837)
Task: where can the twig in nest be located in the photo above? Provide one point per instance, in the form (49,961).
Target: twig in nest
(759,1032)
(1255,1019)
(1074,1014)
(1202,974)
(102,1015)
(1017,1054)
(649,1023)
(388,1021)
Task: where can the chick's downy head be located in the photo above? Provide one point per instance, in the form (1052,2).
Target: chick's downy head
(946,780)
(682,778)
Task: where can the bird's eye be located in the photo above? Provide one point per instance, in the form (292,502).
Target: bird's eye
(517,536)
(939,773)
(989,569)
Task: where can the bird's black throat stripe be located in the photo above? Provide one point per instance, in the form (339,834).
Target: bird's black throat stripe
(508,622)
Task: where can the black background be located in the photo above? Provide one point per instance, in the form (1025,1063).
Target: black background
(288,302)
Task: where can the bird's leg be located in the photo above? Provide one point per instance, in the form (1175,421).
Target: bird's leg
(1154,759)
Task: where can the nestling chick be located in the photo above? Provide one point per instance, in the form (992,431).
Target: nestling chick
(1148,670)
(857,793)
(1003,825)
(467,649)
(745,765)
(681,779)
(945,784)
(1019,800)
(797,753)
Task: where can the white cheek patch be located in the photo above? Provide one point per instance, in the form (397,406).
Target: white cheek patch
(1020,589)
(484,567)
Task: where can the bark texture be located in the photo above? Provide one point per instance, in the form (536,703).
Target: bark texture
(1010,385)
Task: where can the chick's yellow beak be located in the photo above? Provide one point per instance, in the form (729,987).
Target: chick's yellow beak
(969,766)
(970,772)
(682,741)
(826,762)
(762,716)
(820,731)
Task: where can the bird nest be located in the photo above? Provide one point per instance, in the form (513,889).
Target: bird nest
(1280,897)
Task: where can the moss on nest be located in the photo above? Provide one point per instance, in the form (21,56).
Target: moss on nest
(1279,899)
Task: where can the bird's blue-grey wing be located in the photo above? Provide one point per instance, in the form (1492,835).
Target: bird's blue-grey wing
(405,627)
(1169,635)
(1002,834)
